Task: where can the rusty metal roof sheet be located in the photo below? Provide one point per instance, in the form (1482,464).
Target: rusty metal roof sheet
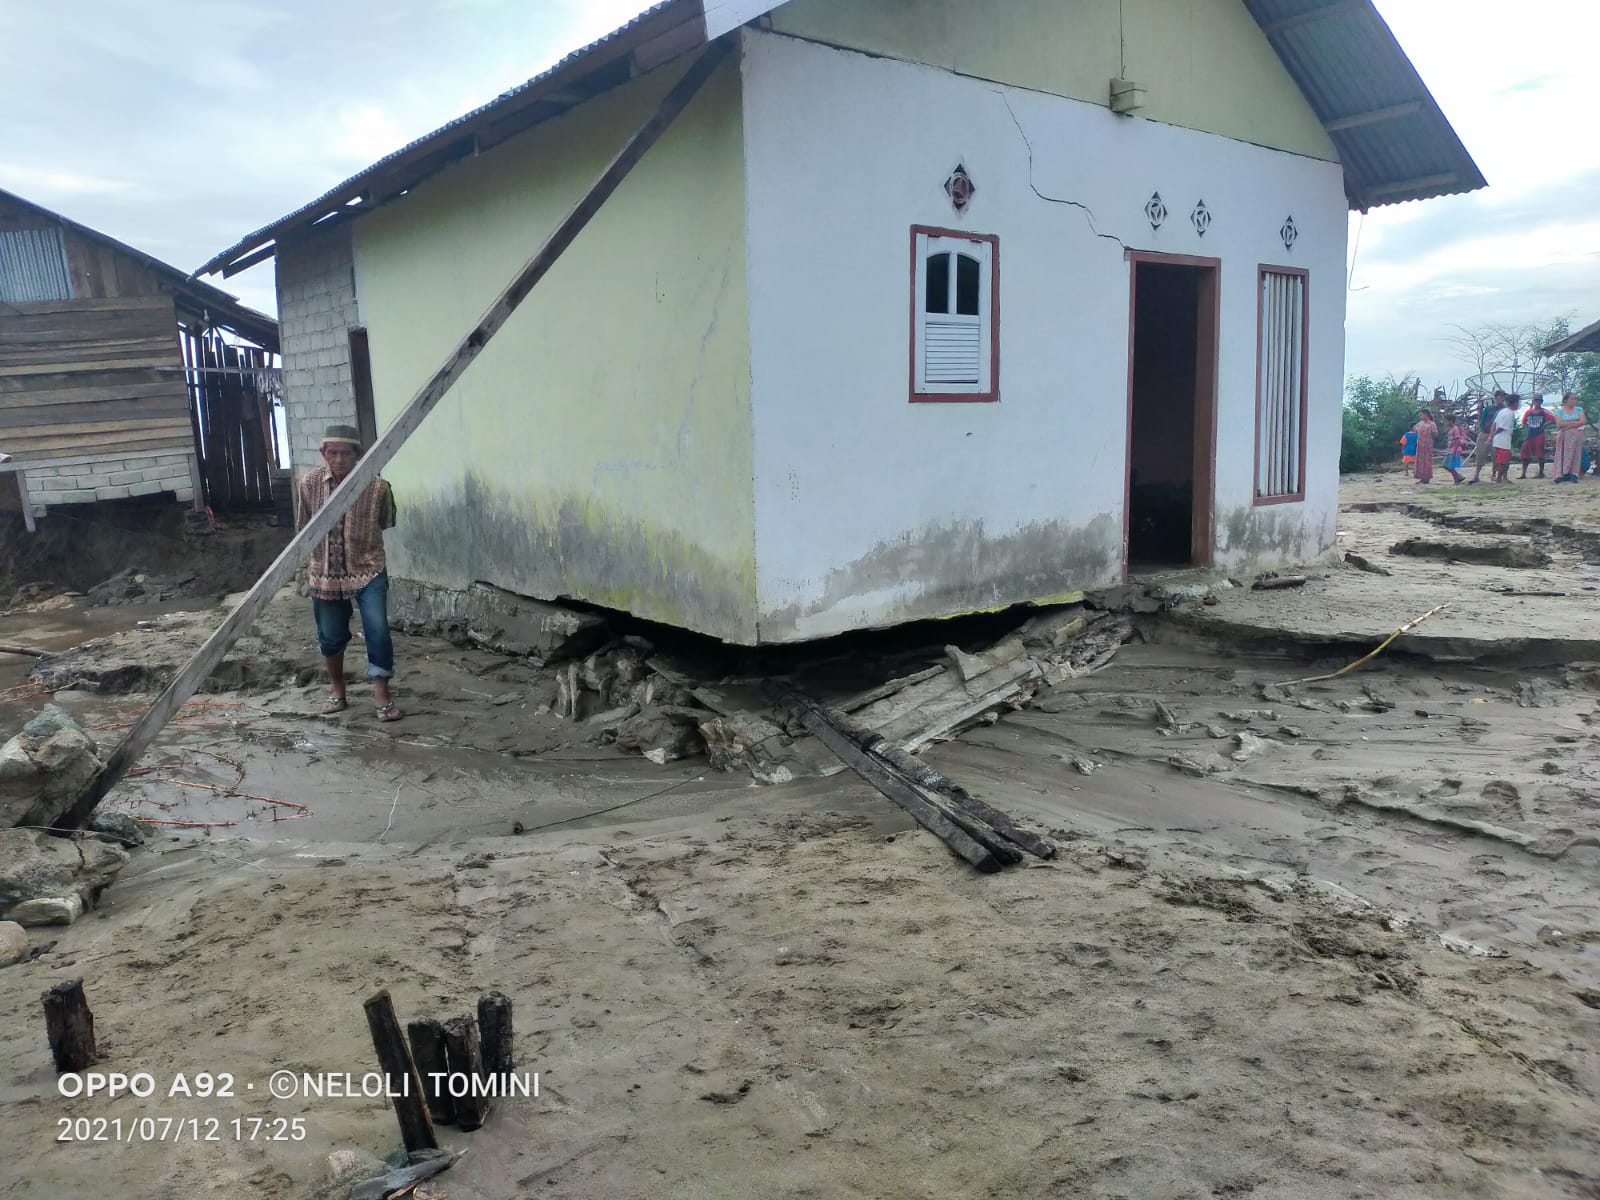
(1394,142)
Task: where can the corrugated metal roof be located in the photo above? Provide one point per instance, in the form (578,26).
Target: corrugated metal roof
(33,265)
(1585,341)
(652,20)
(1393,140)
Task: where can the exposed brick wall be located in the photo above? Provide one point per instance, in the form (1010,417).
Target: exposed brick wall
(316,311)
(111,479)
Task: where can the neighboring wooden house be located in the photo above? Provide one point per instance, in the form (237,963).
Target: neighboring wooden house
(120,376)
(922,307)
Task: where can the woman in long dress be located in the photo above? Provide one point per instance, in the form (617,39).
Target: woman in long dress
(1570,427)
(1426,431)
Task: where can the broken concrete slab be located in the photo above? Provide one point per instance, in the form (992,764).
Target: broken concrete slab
(1500,554)
(48,910)
(495,619)
(39,866)
(970,666)
(43,769)
(13,943)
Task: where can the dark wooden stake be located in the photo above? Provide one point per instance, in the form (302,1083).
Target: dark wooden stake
(465,1054)
(70,1025)
(204,660)
(416,1130)
(494,1025)
(427,1051)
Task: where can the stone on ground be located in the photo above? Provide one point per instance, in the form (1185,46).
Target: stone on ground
(44,768)
(40,866)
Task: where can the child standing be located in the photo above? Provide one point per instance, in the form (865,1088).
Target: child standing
(1533,427)
(1456,447)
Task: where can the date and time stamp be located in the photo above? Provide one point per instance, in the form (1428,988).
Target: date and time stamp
(222,1086)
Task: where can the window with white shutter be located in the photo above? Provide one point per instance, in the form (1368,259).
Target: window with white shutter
(954,334)
(1281,387)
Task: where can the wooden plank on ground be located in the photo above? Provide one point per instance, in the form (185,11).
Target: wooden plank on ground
(367,467)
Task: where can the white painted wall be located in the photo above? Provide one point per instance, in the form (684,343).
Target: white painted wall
(872,510)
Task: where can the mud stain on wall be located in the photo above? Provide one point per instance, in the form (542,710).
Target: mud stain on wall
(948,569)
(552,547)
(1275,536)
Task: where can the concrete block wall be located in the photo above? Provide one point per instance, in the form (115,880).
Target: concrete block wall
(316,311)
(85,481)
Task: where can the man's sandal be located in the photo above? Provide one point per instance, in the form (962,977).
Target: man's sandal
(388,712)
(334,704)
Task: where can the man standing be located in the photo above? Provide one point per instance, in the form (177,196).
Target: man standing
(1484,452)
(348,570)
(1505,425)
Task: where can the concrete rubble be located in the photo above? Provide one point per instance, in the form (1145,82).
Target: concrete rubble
(48,880)
(43,768)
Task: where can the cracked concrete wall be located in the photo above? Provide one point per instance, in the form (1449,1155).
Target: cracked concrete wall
(1206,63)
(600,447)
(871,510)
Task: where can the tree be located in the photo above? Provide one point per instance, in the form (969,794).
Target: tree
(1377,414)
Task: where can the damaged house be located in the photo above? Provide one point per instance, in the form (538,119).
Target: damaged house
(922,307)
(121,377)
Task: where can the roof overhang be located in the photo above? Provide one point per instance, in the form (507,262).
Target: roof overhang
(1585,341)
(1393,140)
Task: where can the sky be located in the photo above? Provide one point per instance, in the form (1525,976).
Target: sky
(179,126)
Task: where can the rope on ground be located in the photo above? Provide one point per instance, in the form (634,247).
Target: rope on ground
(1366,658)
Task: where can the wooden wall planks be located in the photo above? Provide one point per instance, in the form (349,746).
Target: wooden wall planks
(91,375)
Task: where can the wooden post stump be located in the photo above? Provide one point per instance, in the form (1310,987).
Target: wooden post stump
(494,1025)
(465,1053)
(427,1051)
(70,1026)
(405,1089)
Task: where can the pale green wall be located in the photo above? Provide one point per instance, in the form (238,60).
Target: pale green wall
(600,447)
(1206,63)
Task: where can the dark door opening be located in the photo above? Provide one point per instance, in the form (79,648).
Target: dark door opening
(1171,413)
(361,384)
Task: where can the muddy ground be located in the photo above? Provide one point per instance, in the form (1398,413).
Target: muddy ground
(1329,940)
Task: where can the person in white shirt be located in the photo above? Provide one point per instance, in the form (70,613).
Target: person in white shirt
(1505,423)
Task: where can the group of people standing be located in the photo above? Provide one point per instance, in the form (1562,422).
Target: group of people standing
(1492,445)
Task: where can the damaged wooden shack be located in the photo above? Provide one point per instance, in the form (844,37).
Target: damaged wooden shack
(121,377)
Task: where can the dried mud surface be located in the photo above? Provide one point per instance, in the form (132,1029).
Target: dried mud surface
(1329,940)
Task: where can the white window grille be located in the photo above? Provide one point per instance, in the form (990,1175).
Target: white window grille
(1281,387)
(954,328)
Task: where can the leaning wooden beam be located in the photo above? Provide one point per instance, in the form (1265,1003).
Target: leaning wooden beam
(368,466)
(925,777)
(956,834)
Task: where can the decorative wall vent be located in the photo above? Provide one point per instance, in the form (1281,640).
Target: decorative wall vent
(1289,232)
(960,188)
(1155,210)
(1200,218)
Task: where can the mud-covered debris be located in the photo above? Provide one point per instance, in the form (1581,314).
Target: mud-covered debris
(38,866)
(44,768)
(662,733)
(1365,564)
(1499,554)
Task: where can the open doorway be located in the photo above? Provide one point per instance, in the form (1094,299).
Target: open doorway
(1172,394)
